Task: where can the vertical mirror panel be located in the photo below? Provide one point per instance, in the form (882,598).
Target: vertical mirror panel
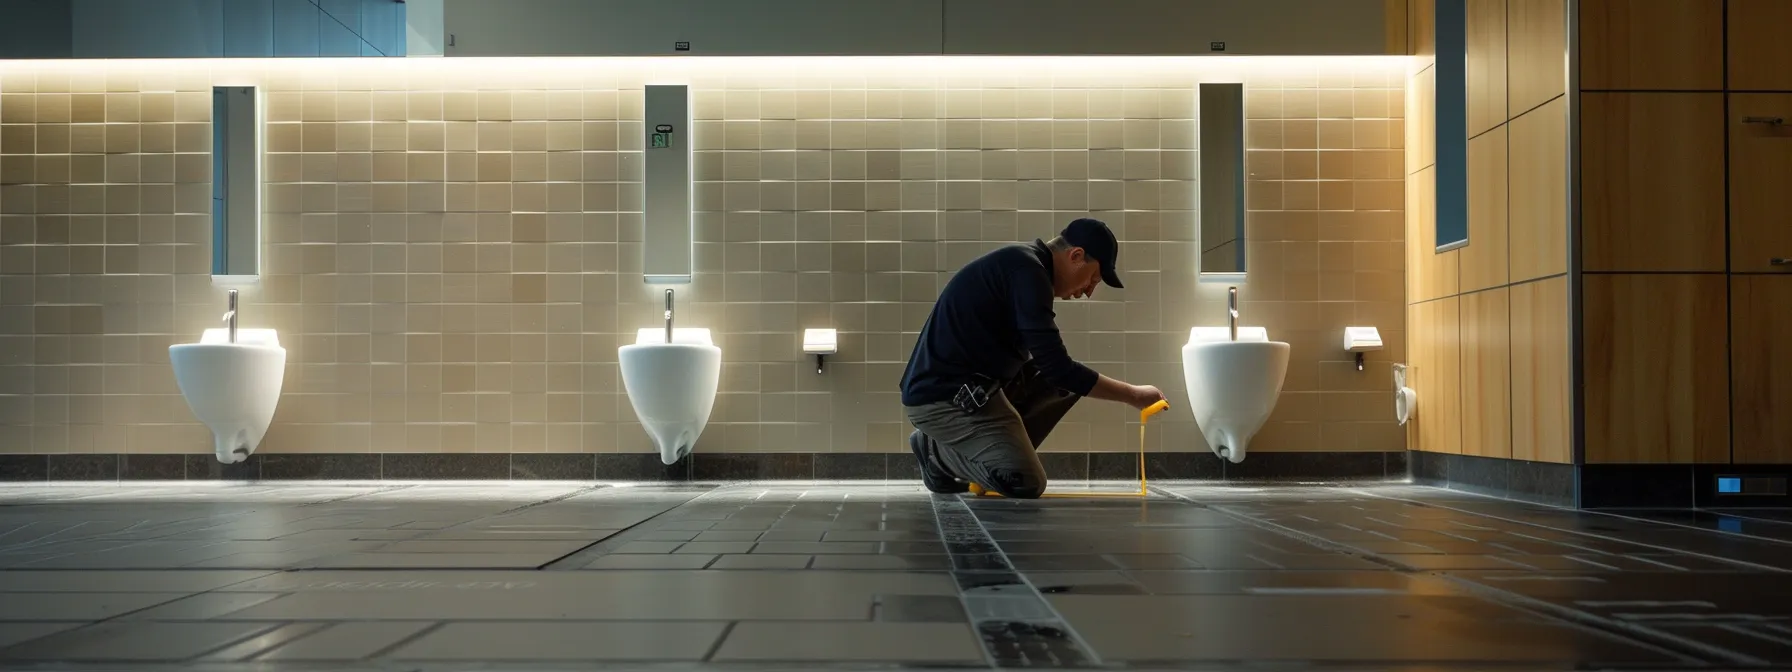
(236,181)
(1451,125)
(1221,123)
(669,239)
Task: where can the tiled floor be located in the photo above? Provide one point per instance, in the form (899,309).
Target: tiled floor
(833,576)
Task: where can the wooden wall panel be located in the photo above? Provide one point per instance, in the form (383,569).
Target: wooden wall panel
(1429,275)
(1673,45)
(1421,16)
(1486,374)
(1536,53)
(1416,352)
(1656,367)
(1486,47)
(1483,262)
(1541,372)
(1761,367)
(1421,121)
(1399,32)
(1759,51)
(1760,181)
(1539,192)
(1652,181)
(1416,225)
(1437,375)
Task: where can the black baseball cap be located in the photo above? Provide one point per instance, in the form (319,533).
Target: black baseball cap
(1097,241)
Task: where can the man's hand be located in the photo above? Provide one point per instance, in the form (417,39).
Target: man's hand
(1137,396)
(1143,396)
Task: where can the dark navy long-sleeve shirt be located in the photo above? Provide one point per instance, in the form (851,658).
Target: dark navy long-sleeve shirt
(993,316)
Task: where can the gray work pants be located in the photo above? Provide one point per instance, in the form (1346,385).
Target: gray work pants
(995,447)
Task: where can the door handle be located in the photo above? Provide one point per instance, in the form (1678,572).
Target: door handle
(1770,121)
(1779,261)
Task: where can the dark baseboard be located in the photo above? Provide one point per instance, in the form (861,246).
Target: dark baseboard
(1679,486)
(1063,466)
(1521,480)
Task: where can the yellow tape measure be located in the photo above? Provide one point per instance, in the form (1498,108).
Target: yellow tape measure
(1144,415)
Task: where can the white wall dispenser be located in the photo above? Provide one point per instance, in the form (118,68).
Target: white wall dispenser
(821,343)
(1360,340)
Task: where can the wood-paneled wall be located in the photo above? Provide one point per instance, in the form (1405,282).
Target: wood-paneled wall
(1489,321)
(1651,45)
(1485,261)
(1762,385)
(1653,195)
(1486,336)
(1539,186)
(1686,188)
(1429,276)
(1760,173)
(1541,372)
(1757,49)
(1655,362)
(1486,43)
(1435,360)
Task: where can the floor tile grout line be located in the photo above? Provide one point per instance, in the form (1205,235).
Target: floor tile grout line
(402,641)
(1742,563)
(306,629)
(582,490)
(123,616)
(1756,634)
(1595,566)
(370,492)
(1640,635)
(1777,628)
(715,648)
(1289,532)
(584,555)
(258,632)
(102,536)
(1568,509)
(1644,559)
(1669,523)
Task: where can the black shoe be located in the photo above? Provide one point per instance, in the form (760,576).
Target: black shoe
(935,478)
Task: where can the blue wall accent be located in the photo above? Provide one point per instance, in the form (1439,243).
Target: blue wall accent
(38,29)
(47,29)
(248,28)
(1452,124)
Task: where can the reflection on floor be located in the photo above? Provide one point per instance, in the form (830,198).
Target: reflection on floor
(835,576)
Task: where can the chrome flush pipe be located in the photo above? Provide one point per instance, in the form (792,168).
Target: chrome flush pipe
(230,316)
(1232,307)
(668,317)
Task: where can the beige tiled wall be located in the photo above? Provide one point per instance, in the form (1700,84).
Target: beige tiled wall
(453,248)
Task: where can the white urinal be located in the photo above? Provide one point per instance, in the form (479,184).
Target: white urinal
(1232,385)
(672,386)
(232,387)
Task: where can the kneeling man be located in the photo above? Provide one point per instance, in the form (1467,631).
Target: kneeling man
(990,378)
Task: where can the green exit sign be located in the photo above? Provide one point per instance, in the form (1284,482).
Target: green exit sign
(662,140)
